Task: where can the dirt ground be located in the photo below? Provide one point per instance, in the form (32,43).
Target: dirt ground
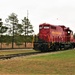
(5,46)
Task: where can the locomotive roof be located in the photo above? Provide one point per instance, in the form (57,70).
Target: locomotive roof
(51,25)
(46,24)
(62,26)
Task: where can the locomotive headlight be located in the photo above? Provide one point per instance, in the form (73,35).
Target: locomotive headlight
(68,31)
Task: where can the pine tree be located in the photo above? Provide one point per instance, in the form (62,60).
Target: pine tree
(3,29)
(27,28)
(13,25)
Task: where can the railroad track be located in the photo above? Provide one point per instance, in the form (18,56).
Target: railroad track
(9,56)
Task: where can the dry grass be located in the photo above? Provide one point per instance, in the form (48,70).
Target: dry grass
(62,63)
(15,51)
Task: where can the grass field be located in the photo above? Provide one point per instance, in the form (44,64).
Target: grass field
(59,63)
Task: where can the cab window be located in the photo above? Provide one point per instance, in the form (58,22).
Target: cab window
(46,27)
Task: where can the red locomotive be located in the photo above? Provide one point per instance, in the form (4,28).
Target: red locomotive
(53,37)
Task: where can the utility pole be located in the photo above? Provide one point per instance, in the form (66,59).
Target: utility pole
(27,22)
(27,14)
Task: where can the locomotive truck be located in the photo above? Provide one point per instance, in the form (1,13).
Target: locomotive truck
(53,37)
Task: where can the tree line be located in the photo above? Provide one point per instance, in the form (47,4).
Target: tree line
(13,31)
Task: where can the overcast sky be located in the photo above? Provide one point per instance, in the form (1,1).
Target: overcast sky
(41,11)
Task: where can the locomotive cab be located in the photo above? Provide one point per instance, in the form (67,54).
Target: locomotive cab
(44,32)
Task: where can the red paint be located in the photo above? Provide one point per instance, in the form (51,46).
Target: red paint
(53,33)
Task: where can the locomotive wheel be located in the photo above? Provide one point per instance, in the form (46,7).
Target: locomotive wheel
(56,47)
(44,48)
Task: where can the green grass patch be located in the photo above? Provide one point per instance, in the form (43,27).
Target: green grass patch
(61,55)
(59,63)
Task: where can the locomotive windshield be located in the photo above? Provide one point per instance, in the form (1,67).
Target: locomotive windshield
(46,27)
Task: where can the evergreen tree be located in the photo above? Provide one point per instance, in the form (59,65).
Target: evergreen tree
(27,28)
(13,25)
(3,29)
(74,35)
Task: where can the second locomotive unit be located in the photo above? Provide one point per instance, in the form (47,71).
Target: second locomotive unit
(53,37)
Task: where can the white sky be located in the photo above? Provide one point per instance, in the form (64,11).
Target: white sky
(41,11)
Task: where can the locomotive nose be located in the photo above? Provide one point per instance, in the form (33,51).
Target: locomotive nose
(44,37)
